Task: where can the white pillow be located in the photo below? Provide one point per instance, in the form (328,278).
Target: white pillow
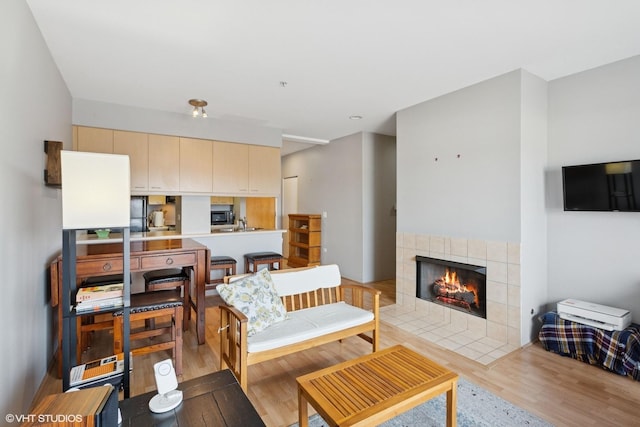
(256,297)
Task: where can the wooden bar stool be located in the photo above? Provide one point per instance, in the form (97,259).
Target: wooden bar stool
(153,305)
(170,278)
(252,261)
(225,263)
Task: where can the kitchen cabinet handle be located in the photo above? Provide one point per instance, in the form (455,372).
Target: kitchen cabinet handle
(169,261)
(106,267)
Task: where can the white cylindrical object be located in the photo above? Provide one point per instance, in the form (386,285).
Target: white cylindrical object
(158,219)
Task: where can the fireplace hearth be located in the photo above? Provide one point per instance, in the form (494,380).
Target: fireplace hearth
(455,285)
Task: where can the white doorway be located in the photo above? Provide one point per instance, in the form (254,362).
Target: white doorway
(289,206)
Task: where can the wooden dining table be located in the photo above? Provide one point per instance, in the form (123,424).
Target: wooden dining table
(106,259)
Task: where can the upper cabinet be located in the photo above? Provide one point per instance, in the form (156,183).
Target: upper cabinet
(94,140)
(164,163)
(136,146)
(230,168)
(133,144)
(264,170)
(196,165)
(242,169)
(221,200)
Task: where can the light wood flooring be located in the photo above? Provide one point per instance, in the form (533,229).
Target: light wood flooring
(561,390)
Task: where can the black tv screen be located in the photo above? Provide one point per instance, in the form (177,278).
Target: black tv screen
(613,186)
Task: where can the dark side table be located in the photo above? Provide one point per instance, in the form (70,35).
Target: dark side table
(211,400)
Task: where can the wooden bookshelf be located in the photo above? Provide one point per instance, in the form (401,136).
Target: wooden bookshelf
(305,232)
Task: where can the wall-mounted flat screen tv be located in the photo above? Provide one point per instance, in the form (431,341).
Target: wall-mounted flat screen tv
(613,186)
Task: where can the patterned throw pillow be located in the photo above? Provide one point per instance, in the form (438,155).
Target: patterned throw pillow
(256,297)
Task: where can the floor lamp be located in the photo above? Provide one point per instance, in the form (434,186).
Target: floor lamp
(95,195)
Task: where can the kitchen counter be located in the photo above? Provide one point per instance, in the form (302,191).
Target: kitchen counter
(87,239)
(238,243)
(230,243)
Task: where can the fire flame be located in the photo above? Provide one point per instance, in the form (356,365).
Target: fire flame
(452,284)
(451,278)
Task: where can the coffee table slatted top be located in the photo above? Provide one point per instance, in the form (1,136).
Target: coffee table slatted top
(375,386)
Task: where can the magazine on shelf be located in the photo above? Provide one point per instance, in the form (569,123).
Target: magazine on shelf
(99,304)
(96,293)
(97,370)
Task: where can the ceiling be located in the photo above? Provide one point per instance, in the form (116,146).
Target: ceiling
(306,66)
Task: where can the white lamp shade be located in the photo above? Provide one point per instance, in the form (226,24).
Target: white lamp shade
(95,190)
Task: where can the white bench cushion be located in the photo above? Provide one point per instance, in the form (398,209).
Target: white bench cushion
(292,282)
(308,323)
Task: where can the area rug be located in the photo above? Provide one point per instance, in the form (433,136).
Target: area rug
(476,407)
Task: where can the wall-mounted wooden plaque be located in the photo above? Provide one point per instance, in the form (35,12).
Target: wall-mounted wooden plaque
(52,174)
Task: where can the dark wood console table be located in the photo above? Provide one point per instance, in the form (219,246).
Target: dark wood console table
(106,258)
(211,400)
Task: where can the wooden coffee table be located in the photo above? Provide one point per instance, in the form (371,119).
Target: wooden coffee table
(374,388)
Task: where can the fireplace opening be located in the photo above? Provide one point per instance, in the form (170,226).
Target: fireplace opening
(453,284)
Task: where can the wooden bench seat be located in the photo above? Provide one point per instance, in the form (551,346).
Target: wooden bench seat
(300,288)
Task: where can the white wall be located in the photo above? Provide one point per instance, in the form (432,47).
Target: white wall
(353,180)
(378,200)
(476,195)
(112,116)
(471,166)
(330,180)
(594,116)
(533,220)
(34,105)
(587,117)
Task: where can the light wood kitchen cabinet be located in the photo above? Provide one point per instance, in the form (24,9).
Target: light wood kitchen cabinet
(157,199)
(94,140)
(164,163)
(304,240)
(74,138)
(261,212)
(264,170)
(196,165)
(136,146)
(221,200)
(230,168)
(171,164)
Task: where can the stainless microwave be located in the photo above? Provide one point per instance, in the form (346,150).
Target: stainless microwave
(222,217)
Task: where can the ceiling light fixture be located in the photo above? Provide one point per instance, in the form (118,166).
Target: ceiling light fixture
(305,139)
(355,117)
(198,107)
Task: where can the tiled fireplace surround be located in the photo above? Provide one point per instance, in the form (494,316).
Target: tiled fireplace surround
(483,340)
